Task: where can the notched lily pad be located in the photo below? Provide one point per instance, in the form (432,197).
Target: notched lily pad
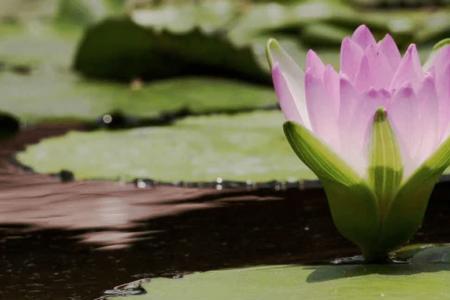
(154,54)
(243,147)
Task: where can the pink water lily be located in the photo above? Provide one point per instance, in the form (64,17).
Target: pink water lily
(376,132)
(339,107)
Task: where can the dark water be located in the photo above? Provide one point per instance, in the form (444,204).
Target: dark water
(74,240)
(237,230)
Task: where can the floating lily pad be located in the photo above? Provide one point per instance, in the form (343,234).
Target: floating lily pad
(87,12)
(46,95)
(344,282)
(45,32)
(37,44)
(184,16)
(19,10)
(248,146)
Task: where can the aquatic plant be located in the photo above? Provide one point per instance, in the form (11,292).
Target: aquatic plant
(376,133)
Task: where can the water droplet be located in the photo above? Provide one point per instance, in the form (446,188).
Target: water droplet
(107,119)
(301,184)
(277,187)
(115,120)
(142,183)
(306,228)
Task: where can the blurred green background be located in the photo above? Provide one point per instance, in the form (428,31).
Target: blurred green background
(46,44)
(121,64)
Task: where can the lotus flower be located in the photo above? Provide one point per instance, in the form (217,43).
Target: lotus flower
(376,133)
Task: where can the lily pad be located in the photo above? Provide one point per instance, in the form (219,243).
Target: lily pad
(19,10)
(37,44)
(45,32)
(47,95)
(242,147)
(208,15)
(407,281)
(87,12)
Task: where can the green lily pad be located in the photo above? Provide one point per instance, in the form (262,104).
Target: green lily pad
(46,32)
(276,17)
(248,146)
(342,282)
(208,15)
(19,10)
(45,95)
(37,44)
(87,12)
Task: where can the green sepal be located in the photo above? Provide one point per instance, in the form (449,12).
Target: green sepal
(441,44)
(352,203)
(318,156)
(405,215)
(385,168)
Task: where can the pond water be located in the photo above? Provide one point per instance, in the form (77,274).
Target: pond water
(74,240)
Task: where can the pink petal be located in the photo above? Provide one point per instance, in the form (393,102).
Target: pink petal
(320,109)
(390,50)
(314,64)
(348,98)
(365,110)
(429,118)
(381,72)
(363,37)
(294,80)
(285,97)
(364,79)
(440,68)
(351,136)
(331,83)
(441,59)
(403,113)
(351,55)
(443,91)
(409,70)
